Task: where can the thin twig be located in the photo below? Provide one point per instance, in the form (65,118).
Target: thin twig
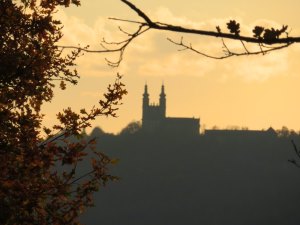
(229,53)
(128,21)
(245,47)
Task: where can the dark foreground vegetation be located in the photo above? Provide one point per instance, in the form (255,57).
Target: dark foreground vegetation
(225,179)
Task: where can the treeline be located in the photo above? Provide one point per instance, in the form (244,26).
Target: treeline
(136,127)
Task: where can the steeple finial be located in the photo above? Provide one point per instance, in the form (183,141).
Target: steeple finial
(146,88)
(163,89)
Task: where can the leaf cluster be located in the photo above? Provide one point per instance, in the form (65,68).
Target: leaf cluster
(233,27)
(267,34)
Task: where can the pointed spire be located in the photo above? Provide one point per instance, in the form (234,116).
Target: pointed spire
(162,93)
(163,88)
(162,101)
(146,89)
(146,95)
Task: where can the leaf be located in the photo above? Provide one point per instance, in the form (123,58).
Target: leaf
(62,85)
(270,34)
(47,130)
(83,111)
(258,31)
(233,27)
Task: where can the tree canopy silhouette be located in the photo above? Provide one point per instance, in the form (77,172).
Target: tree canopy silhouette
(32,188)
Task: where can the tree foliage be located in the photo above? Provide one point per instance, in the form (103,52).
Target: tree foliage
(131,128)
(32,188)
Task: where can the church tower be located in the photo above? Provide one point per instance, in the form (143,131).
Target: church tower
(162,102)
(154,118)
(145,102)
(153,114)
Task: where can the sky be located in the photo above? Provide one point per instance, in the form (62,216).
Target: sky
(250,91)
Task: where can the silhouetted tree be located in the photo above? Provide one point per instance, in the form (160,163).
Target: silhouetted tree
(284,132)
(97,132)
(131,128)
(32,189)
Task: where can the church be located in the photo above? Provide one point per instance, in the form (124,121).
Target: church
(154,118)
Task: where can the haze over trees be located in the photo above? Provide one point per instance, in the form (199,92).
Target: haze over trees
(230,177)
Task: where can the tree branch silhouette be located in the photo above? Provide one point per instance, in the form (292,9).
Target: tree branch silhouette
(267,39)
(227,53)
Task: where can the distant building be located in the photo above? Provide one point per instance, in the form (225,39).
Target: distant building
(154,118)
(243,133)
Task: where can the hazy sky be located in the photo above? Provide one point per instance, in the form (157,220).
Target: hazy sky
(254,91)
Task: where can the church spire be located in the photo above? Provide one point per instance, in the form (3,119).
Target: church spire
(162,90)
(146,95)
(145,102)
(162,101)
(146,89)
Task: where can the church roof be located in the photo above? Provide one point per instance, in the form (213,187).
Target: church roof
(183,119)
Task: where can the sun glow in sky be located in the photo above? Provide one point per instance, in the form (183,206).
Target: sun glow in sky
(251,91)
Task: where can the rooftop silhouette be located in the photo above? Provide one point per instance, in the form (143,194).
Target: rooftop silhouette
(222,177)
(154,120)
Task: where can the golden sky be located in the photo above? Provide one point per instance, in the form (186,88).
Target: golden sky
(251,91)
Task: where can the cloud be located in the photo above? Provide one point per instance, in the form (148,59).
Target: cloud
(261,68)
(176,65)
(163,14)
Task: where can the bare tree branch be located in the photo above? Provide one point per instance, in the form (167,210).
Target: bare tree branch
(120,46)
(179,29)
(138,11)
(268,39)
(228,53)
